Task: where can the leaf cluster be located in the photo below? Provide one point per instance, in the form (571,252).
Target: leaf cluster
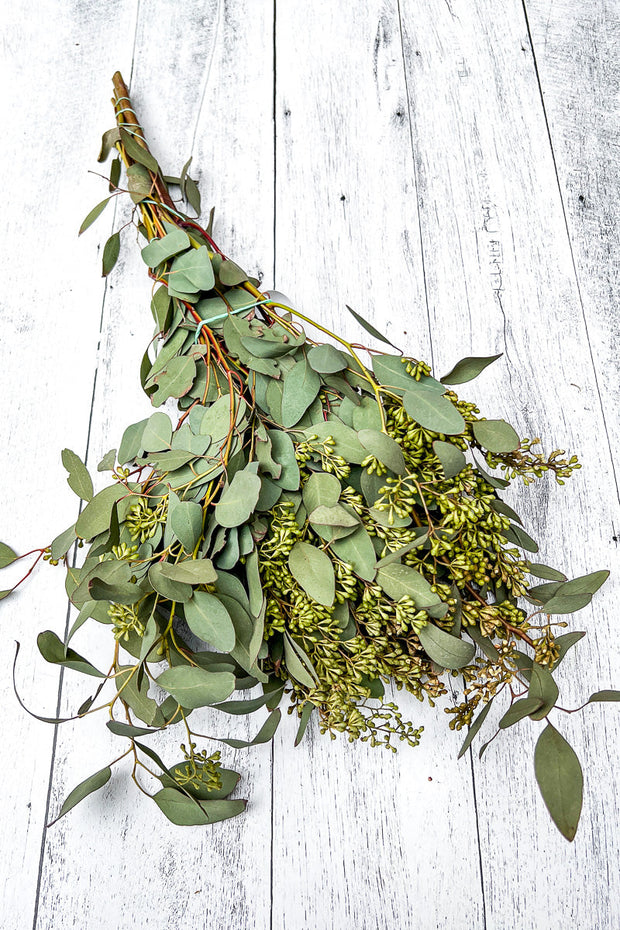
(312,524)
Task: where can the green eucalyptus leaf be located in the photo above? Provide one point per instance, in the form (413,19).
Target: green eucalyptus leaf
(543,571)
(230,274)
(208,619)
(115,175)
(108,141)
(474,728)
(194,687)
(492,480)
(384,448)
(149,637)
(444,649)
(263,447)
(270,494)
(600,696)
(161,308)
(399,580)
(238,500)
(370,329)
(139,182)
(255,587)
(175,380)
(93,215)
(125,729)
(566,642)
(560,780)
(502,507)
(191,571)
(358,550)
(391,370)
(485,644)
(298,664)
(111,251)
(238,708)
(248,631)
(313,570)
(120,592)
(186,524)
(526,707)
(166,587)
(185,811)
(195,266)
(468,369)
(86,787)
(326,359)
(79,479)
(192,195)
(137,152)
(306,713)
(8,556)
(171,348)
(157,434)
(96,516)
(133,690)
(53,650)
(567,604)
(334,516)
(321,489)
(301,385)
(366,415)
(544,592)
(586,584)
(432,411)
(496,435)
(160,250)
(265,733)
(108,461)
(543,689)
(283,452)
(131,443)
(519,537)
(60,545)
(450,457)
(170,461)
(345,439)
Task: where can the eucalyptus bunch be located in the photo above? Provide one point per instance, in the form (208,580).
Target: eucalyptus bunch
(317,521)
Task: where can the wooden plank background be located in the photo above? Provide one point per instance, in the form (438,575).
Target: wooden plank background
(449,168)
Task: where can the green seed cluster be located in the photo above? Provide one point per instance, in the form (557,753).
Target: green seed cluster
(366,638)
(531,465)
(125,621)
(143,520)
(200,771)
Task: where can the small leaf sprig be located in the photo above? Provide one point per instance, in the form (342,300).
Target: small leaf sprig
(316,524)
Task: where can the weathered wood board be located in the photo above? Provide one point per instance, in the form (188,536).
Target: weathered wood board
(450,170)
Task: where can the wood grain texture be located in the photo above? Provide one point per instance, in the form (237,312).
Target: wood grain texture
(52,293)
(362,824)
(177,877)
(400,158)
(577,55)
(500,275)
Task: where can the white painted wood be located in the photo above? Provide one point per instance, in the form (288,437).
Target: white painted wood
(576,48)
(51,304)
(179,876)
(452,214)
(358,831)
(490,206)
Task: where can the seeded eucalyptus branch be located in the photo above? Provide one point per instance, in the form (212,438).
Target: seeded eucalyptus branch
(320,522)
